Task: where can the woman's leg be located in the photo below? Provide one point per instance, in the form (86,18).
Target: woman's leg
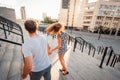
(62,61)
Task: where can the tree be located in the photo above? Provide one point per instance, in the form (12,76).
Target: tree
(48,20)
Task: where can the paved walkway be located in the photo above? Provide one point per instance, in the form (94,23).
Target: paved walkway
(105,40)
(80,65)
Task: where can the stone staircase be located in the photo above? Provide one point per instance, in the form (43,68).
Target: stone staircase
(11,59)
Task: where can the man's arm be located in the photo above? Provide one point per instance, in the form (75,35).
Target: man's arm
(27,66)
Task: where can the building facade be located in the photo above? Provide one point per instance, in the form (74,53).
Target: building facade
(90,16)
(104,13)
(23,13)
(44,15)
(8,13)
(69,16)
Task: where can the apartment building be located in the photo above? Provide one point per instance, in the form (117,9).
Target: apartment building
(102,12)
(23,13)
(90,16)
(69,14)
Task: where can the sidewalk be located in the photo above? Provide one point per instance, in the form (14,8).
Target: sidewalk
(105,40)
(81,66)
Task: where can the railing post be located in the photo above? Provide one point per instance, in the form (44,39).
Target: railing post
(4,31)
(102,49)
(75,44)
(113,60)
(80,45)
(22,34)
(8,29)
(83,45)
(109,57)
(89,49)
(69,40)
(105,52)
(94,52)
(118,59)
(99,49)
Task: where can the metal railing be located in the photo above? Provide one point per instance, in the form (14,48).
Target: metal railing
(8,27)
(84,44)
(112,59)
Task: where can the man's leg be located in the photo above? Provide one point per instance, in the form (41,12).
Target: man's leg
(36,75)
(47,73)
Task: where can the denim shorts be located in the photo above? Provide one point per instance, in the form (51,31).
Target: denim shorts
(46,73)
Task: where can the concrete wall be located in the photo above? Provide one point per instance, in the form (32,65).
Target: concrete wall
(8,13)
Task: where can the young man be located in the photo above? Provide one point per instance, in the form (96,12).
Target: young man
(36,50)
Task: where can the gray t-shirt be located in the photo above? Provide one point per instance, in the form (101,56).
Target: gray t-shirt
(37,48)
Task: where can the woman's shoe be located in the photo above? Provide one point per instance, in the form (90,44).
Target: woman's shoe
(61,70)
(65,73)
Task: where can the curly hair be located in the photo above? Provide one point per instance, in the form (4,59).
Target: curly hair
(55,28)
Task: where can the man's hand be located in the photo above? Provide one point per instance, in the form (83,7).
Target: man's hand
(27,66)
(24,76)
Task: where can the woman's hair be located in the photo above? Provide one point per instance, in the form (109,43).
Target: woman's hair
(55,28)
(31,26)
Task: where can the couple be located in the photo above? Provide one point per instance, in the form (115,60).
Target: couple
(36,50)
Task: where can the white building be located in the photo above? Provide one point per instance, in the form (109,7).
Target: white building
(92,15)
(44,15)
(69,16)
(23,13)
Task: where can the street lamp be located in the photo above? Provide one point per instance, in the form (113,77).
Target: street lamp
(111,24)
(73,14)
(118,27)
(68,14)
(101,26)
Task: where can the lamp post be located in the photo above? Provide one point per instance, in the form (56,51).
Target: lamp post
(111,24)
(68,14)
(101,26)
(117,30)
(73,14)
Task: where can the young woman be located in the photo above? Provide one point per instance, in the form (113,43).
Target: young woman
(57,29)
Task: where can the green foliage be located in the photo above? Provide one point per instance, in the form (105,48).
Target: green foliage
(48,20)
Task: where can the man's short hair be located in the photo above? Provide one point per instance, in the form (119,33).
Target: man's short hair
(31,26)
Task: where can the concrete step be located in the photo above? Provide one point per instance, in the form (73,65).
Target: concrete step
(6,62)
(4,46)
(2,49)
(16,65)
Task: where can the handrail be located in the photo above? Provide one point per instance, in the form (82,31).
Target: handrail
(83,44)
(111,54)
(8,27)
(11,42)
(105,50)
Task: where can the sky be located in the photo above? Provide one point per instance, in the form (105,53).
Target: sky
(35,8)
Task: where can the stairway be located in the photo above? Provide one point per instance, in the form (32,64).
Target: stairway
(10,61)
(11,58)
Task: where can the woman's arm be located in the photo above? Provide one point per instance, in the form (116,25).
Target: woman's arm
(67,37)
(58,46)
(49,51)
